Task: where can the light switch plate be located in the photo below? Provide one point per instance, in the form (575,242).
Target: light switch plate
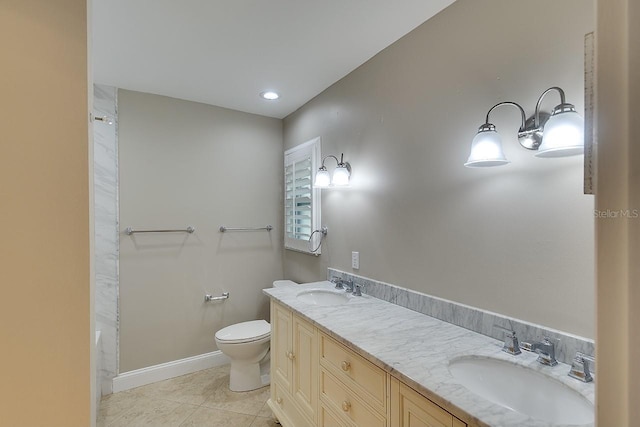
(355,260)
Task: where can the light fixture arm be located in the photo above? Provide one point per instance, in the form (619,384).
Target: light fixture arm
(522,113)
(529,135)
(562,103)
(340,162)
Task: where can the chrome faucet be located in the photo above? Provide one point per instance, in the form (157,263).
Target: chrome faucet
(546,350)
(580,368)
(511,345)
(343,284)
(348,285)
(336,281)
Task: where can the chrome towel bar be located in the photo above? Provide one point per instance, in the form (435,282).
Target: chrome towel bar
(209,298)
(131,230)
(224,229)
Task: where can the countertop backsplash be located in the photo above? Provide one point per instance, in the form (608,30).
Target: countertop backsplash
(468,317)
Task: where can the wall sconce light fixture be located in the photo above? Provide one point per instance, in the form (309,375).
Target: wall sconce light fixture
(340,176)
(560,134)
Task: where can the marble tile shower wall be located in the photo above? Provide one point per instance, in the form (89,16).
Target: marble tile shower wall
(471,318)
(105,185)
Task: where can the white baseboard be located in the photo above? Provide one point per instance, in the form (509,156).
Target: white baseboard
(164,371)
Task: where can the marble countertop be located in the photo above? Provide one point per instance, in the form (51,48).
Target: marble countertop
(417,349)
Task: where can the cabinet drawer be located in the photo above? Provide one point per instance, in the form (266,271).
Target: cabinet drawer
(369,381)
(343,401)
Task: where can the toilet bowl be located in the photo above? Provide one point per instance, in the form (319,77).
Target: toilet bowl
(247,345)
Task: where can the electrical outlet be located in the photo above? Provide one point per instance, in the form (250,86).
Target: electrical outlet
(355,260)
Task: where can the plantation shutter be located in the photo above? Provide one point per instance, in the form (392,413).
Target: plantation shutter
(301,200)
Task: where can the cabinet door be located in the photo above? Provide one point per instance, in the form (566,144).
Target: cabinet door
(305,366)
(411,409)
(285,409)
(281,347)
(326,418)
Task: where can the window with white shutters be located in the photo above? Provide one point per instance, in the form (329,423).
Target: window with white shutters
(301,200)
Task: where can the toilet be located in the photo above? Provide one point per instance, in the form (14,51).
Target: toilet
(247,345)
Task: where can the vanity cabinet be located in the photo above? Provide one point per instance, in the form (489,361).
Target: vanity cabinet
(318,381)
(294,367)
(411,409)
(352,386)
(327,418)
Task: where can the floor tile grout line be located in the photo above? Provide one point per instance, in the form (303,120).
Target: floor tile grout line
(187,419)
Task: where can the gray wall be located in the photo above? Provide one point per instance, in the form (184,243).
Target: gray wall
(518,239)
(184,163)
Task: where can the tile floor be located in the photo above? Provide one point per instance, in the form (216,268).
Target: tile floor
(195,400)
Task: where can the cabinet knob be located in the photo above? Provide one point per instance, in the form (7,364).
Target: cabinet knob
(290,355)
(346,365)
(346,405)
(279,401)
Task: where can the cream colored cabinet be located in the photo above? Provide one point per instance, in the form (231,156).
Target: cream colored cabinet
(317,381)
(305,366)
(326,418)
(351,386)
(351,408)
(411,409)
(281,346)
(294,368)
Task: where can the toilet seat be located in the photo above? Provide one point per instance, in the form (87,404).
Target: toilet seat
(244,332)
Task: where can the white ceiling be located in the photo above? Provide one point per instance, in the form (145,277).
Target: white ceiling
(225,52)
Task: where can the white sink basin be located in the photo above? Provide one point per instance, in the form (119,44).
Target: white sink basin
(323,297)
(522,390)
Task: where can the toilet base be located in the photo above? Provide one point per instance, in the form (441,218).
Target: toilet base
(248,376)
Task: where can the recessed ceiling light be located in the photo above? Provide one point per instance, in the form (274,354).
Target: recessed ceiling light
(269,95)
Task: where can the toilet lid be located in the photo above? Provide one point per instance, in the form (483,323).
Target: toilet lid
(283,283)
(245,331)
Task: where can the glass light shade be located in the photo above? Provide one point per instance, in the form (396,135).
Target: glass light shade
(486,150)
(563,135)
(340,176)
(323,179)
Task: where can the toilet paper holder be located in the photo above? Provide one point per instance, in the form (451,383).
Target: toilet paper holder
(209,298)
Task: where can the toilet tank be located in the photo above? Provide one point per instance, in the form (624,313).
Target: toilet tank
(283,283)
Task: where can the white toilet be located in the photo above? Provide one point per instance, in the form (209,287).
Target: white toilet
(247,345)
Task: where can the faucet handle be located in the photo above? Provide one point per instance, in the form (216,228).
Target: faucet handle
(357,289)
(511,345)
(580,367)
(337,281)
